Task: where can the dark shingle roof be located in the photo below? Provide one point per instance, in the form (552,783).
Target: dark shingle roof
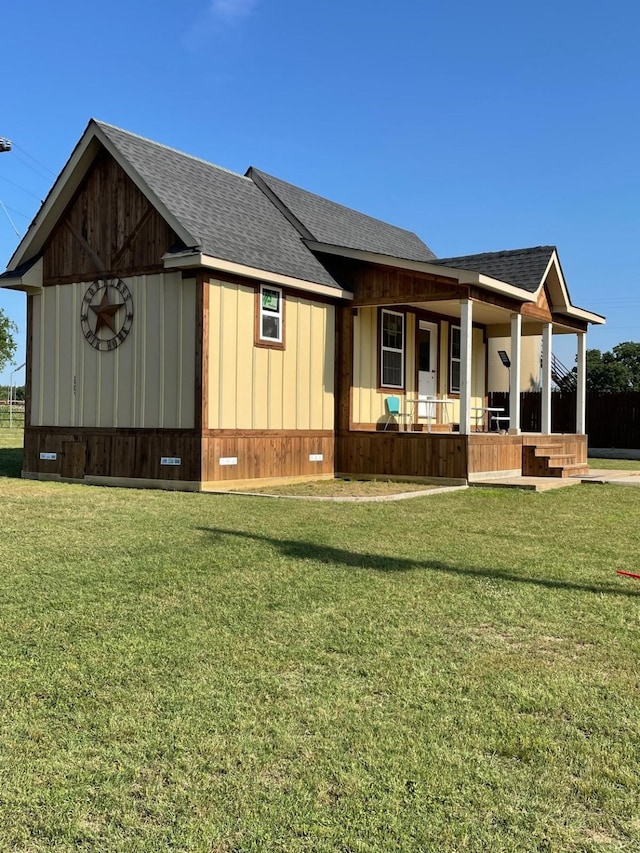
(523,268)
(328,222)
(226,213)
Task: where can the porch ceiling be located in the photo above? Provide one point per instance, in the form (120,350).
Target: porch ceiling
(483,312)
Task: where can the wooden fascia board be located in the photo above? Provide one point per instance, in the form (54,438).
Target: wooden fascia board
(574,324)
(461,276)
(409,299)
(191,260)
(499,300)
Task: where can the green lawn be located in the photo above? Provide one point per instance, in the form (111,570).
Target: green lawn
(184,672)
(620,464)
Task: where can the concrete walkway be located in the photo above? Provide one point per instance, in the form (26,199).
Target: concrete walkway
(543,484)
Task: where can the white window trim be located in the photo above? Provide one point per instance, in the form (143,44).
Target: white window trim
(279,314)
(453,390)
(384,349)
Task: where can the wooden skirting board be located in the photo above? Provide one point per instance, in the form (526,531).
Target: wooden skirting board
(178,456)
(188,459)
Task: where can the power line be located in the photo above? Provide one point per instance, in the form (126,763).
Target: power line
(31,157)
(24,189)
(9,218)
(29,166)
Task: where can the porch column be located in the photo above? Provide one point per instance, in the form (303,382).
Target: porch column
(545,426)
(514,375)
(466,321)
(581,385)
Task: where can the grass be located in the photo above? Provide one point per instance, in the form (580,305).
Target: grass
(615,464)
(183,672)
(11,441)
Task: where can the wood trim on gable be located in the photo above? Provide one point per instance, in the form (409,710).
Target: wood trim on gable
(381,285)
(108,229)
(541,310)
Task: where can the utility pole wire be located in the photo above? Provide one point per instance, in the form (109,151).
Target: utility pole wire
(9,218)
(31,157)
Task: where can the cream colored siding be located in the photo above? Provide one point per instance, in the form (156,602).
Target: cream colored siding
(531,352)
(368,404)
(148,381)
(478,370)
(369,401)
(254,387)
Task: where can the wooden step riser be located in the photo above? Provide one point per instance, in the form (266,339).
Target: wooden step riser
(572,471)
(550,461)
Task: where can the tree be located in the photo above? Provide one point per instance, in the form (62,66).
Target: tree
(605,373)
(628,354)
(7,342)
(618,370)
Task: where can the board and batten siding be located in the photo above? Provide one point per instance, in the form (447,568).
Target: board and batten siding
(262,388)
(369,400)
(146,382)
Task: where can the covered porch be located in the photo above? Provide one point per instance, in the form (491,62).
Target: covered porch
(415,373)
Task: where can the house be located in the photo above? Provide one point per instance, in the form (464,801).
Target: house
(193,328)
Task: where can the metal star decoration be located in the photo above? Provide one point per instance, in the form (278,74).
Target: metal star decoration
(105,313)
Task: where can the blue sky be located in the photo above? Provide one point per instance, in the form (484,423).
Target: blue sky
(480,126)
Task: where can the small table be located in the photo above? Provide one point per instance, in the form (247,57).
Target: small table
(483,413)
(429,401)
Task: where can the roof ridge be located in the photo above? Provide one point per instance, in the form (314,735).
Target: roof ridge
(153,142)
(501,252)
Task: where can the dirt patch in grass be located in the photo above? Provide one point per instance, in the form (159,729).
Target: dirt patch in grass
(341,489)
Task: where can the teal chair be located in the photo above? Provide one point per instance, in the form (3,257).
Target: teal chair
(393,410)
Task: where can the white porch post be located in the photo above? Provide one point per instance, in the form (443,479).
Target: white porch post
(545,426)
(514,375)
(581,385)
(466,321)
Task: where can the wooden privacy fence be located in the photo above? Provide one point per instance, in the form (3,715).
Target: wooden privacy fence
(613,420)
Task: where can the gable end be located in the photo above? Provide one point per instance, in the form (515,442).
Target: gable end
(109,228)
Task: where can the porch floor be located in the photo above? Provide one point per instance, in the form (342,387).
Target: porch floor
(533,484)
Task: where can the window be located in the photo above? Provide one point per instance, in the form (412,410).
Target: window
(270,314)
(392,349)
(454,360)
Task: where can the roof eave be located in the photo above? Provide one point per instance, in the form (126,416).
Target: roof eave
(196,259)
(463,276)
(587,316)
(28,279)
(68,182)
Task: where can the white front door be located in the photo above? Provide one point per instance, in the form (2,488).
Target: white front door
(427,366)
